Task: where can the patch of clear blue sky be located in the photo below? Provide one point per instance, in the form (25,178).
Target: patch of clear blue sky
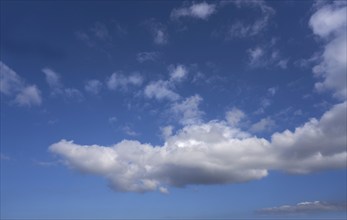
(38,34)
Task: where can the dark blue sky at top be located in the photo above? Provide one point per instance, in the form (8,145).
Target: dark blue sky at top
(44,34)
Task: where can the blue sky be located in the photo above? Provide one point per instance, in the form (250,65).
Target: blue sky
(180,109)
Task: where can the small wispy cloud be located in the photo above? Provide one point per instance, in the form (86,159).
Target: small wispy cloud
(267,55)
(142,57)
(158,30)
(4,157)
(305,207)
(12,85)
(53,80)
(93,86)
(241,29)
(118,80)
(202,10)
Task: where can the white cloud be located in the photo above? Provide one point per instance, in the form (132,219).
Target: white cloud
(120,81)
(11,84)
(329,19)
(187,111)
(265,124)
(234,116)
(29,96)
(177,73)
(147,56)
(317,145)
(160,90)
(57,88)
(212,153)
(305,207)
(163,89)
(200,10)
(93,86)
(329,23)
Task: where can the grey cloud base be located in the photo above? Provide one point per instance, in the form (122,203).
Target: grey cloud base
(213,153)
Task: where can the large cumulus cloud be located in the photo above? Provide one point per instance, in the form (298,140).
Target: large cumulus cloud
(213,153)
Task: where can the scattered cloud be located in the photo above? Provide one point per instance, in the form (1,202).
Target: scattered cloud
(266,55)
(177,73)
(187,111)
(29,96)
(161,90)
(158,31)
(264,104)
(93,86)
(241,29)
(201,10)
(329,23)
(213,153)
(57,88)
(234,117)
(129,131)
(305,207)
(147,56)
(120,81)
(11,84)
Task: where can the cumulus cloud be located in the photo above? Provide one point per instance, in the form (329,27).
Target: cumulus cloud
(305,207)
(120,81)
(317,145)
(53,79)
(212,153)
(200,10)
(11,84)
(329,23)
(93,86)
